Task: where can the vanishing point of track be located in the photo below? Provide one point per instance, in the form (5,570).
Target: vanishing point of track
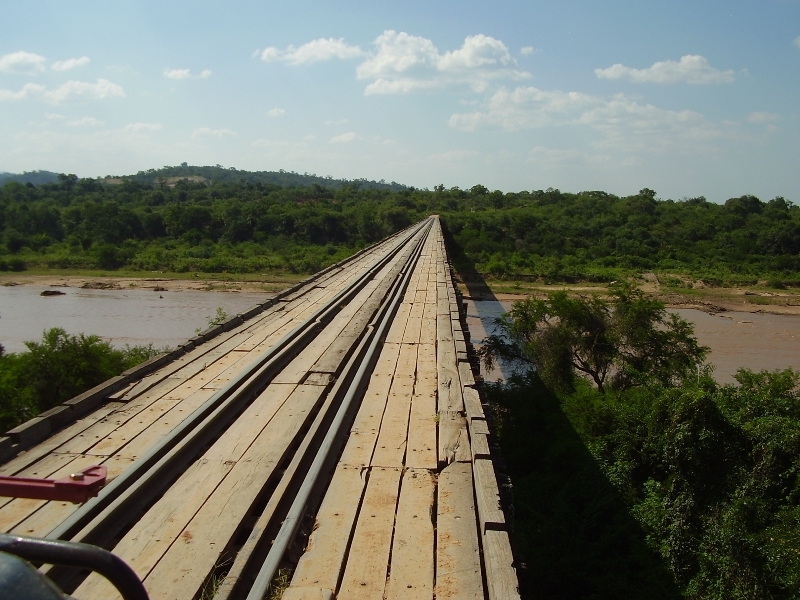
(331,437)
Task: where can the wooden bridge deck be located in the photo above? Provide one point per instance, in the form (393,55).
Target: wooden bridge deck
(412,508)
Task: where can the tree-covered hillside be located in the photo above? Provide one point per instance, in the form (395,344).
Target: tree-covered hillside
(232,221)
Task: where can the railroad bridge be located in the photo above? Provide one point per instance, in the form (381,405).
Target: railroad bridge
(331,437)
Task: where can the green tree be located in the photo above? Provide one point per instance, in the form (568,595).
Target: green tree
(624,341)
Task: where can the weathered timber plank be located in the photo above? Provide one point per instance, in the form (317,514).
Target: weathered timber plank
(323,561)
(422,450)
(412,566)
(189,561)
(147,542)
(390,449)
(490,514)
(458,567)
(368,560)
(500,573)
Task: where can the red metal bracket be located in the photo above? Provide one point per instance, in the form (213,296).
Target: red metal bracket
(77,488)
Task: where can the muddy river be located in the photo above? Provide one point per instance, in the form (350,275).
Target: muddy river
(126,316)
(167,318)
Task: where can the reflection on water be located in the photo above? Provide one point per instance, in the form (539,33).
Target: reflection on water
(133,316)
(737,339)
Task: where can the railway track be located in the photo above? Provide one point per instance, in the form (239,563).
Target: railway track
(350,393)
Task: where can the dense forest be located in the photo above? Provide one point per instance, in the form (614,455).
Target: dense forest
(211,219)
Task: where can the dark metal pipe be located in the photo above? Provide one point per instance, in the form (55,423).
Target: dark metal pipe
(82,556)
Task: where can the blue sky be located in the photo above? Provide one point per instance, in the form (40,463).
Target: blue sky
(687,98)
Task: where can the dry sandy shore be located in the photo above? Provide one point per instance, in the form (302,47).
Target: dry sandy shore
(145,283)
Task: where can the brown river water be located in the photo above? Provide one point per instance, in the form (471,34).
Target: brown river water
(737,339)
(123,316)
(167,318)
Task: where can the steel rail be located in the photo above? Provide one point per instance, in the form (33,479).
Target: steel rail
(287,487)
(101,518)
(363,367)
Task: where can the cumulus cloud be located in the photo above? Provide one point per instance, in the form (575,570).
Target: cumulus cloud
(527,50)
(344,138)
(141,127)
(83,90)
(70,63)
(403,63)
(314,51)
(620,120)
(29,89)
(276,112)
(208,132)
(84,122)
(797,41)
(21,62)
(690,69)
(186,74)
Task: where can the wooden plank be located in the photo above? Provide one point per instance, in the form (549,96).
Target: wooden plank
(398,326)
(190,560)
(411,573)
(364,432)
(501,576)
(368,560)
(323,561)
(465,373)
(490,514)
(414,325)
(27,459)
(480,446)
(422,450)
(148,541)
(450,398)
(390,449)
(451,440)
(458,567)
(478,427)
(463,452)
(472,404)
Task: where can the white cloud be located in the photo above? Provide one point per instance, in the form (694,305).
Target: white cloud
(29,89)
(405,63)
(83,90)
(276,112)
(620,121)
(314,51)
(797,41)
(21,62)
(208,132)
(344,138)
(186,74)
(84,122)
(70,63)
(762,117)
(527,50)
(53,116)
(690,69)
(140,127)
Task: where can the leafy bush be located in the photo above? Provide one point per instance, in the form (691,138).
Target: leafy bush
(56,369)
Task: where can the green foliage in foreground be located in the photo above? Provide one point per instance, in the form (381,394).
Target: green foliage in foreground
(225,220)
(653,491)
(56,369)
(676,486)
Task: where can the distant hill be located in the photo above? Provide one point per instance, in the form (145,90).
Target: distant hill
(170,175)
(34,177)
(222,174)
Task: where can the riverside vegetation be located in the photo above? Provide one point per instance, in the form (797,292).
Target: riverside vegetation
(635,474)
